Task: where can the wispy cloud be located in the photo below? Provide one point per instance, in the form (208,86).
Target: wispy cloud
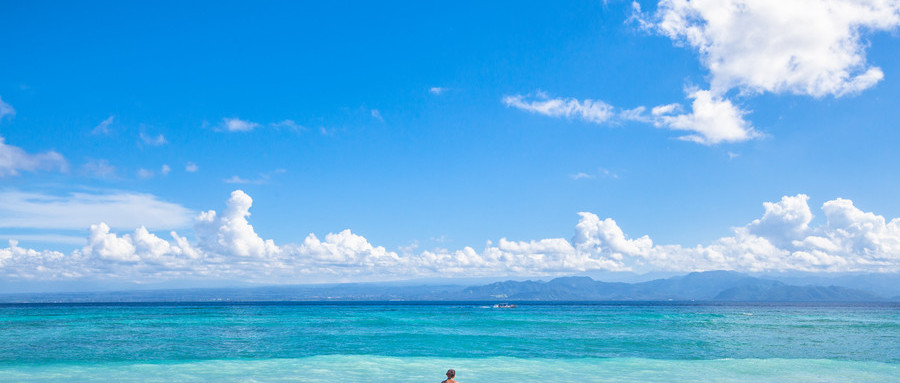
(77,211)
(191,167)
(145,173)
(14,160)
(153,140)
(595,111)
(289,125)
(263,178)
(600,173)
(239,180)
(44,238)
(237,125)
(437,91)
(712,119)
(99,168)
(582,176)
(377,115)
(6,110)
(103,126)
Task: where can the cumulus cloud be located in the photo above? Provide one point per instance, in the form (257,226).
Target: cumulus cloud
(437,91)
(6,109)
(77,211)
(230,232)
(595,111)
(712,119)
(14,159)
(227,246)
(808,47)
(237,125)
(805,47)
(191,167)
(783,220)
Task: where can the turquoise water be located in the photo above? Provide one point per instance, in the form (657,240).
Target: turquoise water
(418,342)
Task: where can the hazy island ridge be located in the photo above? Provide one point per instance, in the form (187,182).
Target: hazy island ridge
(715,286)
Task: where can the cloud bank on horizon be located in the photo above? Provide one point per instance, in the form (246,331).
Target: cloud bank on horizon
(228,247)
(803,47)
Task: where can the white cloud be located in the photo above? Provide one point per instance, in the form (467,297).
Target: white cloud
(99,168)
(601,172)
(46,238)
(239,180)
(14,159)
(145,173)
(805,47)
(289,125)
(595,111)
(595,236)
(713,119)
(153,140)
(634,114)
(238,125)
(103,126)
(665,109)
(228,247)
(581,176)
(784,220)
(437,91)
(377,115)
(263,178)
(230,233)
(808,47)
(191,167)
(77,211)
(6,109)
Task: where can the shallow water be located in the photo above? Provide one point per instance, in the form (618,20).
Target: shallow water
(417,342)
(367,368)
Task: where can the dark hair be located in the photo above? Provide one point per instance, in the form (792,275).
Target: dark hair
(451,373)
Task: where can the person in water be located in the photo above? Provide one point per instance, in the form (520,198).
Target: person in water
(450,375)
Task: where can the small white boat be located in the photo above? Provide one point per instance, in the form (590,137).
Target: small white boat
(504,306)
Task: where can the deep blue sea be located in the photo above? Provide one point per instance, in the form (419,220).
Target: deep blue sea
(418,342)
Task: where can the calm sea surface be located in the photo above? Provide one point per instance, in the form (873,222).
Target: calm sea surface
(401,342)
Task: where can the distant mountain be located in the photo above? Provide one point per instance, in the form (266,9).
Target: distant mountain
(702,286)
(786,293)
(705,286)
(883,284)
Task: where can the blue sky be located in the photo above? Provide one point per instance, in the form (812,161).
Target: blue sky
(433,128)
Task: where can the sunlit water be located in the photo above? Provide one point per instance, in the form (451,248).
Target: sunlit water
(418,342)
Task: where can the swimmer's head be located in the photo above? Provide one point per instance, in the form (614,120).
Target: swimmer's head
(451,373)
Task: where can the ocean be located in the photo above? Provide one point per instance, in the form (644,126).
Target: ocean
(418,342)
